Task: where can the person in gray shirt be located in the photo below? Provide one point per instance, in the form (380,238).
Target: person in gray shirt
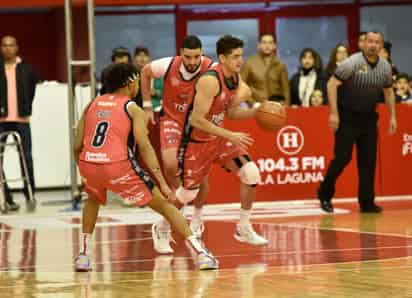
(354,91)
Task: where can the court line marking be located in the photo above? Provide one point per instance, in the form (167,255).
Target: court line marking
(72,244)
(283,225)
(220,274)
(349,230)
(217,206)
(247,254)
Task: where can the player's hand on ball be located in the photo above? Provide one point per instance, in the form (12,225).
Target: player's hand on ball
(241,139)
(334,121)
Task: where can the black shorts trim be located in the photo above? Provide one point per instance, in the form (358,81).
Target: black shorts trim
(140,172)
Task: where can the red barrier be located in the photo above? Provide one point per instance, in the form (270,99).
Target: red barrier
(396,161)
(294,160)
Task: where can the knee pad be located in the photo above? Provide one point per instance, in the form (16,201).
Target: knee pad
(249,173)
(185,196)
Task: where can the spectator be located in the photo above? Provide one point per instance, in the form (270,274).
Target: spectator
(310,77)
(386,53)
(402,93)
(339,53)
(266,74)
(141,58)
(362,40)
(410,86)
(119,55)
(316,99)
(17,88)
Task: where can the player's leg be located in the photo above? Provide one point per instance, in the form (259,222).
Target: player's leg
(249,176)
(96,197)
(161,231)
(159,204)
(170,167)
(170,136)
(89,218)
(196,224)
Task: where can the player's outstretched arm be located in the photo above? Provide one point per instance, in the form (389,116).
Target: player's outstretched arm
(146,150)
(235,111)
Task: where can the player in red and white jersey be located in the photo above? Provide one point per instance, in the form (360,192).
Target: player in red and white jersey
(219,93)
(104,147)
(179,74)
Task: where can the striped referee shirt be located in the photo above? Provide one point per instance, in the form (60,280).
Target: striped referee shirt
(363,82)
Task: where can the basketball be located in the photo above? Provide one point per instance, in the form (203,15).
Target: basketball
(271,116)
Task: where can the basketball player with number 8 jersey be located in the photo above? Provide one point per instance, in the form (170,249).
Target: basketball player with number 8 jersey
(107,135)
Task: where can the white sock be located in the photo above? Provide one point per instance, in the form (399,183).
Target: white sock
(197,215)
(244,217)
(163,225)
(85,243)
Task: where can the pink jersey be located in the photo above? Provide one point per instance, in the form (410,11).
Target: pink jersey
(108,130)
(221,102)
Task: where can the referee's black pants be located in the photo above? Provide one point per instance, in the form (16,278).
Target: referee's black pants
(360,129)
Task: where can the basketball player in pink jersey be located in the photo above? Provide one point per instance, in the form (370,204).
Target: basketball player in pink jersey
(206,141)
(104,147)
(179,74)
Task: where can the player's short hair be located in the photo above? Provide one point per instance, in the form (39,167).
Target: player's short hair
(191,42)
(226,44)
(119,75)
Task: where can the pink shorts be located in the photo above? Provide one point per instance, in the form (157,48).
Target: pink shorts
(170,133)
(199,158)
(124,178)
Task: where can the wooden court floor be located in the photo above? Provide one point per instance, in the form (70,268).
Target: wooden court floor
(310,254)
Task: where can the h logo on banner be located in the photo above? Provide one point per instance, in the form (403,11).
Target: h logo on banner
(290,140)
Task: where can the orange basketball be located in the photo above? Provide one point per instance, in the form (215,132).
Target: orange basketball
(271,115)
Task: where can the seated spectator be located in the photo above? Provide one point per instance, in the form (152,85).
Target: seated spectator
(362,40)
(339,53)
(386,53)
(410,86)
(310,77)
(119,55)
(141,58)
(316,99)
(402,86)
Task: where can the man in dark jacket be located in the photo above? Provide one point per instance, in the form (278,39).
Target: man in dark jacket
(17,87)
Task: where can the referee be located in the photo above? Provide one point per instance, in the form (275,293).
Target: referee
(353,92)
